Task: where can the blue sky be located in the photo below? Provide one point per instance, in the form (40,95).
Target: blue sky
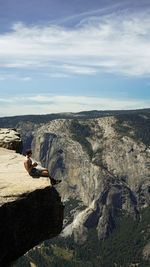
(71,55)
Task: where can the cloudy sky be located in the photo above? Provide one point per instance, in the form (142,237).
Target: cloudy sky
(74,55)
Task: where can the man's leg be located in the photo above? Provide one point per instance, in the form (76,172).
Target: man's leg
(45,173)
(44,169)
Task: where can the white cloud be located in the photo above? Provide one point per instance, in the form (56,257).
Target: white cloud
(44,104)
(5,100)
(115,42)
(26,79)
(79,69)
(5,76)
(58,75)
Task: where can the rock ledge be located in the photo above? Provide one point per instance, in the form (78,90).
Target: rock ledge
(30,209)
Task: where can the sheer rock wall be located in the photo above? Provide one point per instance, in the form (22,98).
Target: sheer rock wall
(116,178)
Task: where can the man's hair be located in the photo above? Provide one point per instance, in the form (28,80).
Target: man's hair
(28,151)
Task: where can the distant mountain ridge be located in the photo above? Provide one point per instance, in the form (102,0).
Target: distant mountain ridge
(11,121)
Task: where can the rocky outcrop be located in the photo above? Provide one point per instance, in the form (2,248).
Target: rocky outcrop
(10,139)
(30,209)
(146,252)
(116,179)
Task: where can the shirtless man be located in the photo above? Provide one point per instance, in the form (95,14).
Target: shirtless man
(36,172)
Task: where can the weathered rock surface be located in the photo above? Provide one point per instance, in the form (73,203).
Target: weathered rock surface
(30,209)
(10,139)
(117,177)
(146,252)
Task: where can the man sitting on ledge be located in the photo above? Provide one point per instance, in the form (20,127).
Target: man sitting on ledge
(36,172)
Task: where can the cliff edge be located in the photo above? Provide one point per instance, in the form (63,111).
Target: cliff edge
(30,209)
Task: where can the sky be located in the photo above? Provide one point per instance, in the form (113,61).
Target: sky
(74,55)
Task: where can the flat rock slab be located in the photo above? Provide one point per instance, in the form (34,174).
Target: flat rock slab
(14,180)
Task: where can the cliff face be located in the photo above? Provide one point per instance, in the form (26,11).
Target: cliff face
(115,178)
(54,147)
(30,209)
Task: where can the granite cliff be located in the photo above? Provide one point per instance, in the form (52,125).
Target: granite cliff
(30,209)
(105,170)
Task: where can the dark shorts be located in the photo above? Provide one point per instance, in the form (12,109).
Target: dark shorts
(36,172)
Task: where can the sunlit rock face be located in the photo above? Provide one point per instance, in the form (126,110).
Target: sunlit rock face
(30,208)
(10,139)
(115,178)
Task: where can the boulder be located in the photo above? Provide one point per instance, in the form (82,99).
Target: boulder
(10,139)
